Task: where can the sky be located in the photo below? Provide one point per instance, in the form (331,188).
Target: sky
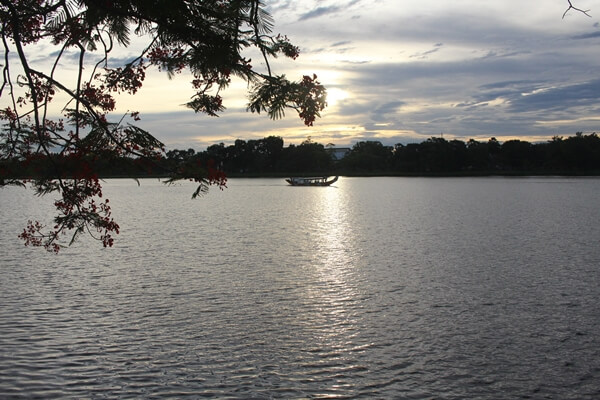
(401,72)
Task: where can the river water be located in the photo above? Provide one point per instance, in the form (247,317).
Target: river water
(393,288)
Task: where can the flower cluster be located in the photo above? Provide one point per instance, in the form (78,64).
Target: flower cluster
(33,236)
(97,96)
(128,79)
(39,90)
(79,211)
(28,27)
(283,45)
(207,79)
(312,99)
(171,59)
(216,176)
(207,104)
(9,115)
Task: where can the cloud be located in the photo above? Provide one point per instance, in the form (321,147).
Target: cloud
(342,43)
(424,54)
(500,54)
(390,107)
(508,84)
(386,111)
(326,10)
(558,98)
(506,90)
(319,12)
(590,35)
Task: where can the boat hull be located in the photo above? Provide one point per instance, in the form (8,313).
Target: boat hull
(315,181)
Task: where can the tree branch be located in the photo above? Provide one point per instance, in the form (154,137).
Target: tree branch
(571,7)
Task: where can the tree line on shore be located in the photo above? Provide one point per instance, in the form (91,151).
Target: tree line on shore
(574,155)
(578,154)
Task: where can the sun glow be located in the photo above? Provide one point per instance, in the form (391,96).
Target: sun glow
(334,95)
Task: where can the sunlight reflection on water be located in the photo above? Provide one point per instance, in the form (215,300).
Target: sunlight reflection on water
(371,288)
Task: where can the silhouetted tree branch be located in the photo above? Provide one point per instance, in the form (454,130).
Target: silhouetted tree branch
(571,7)
(210,39)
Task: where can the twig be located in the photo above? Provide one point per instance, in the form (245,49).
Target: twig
(571,7)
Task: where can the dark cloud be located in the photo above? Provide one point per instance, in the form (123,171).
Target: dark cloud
(354,62)
(318,12)
(342,43)
(343,50)
(507,90)
(438,79)
(497,54)
(424,54)
(67,56)
(390,107)
(559,98)
(464,81)
(508,84)
(386,111)
(119,62)
(590,35)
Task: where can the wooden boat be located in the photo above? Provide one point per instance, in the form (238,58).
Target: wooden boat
(315,181)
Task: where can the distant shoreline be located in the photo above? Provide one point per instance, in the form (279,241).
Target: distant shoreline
(357,175)
(379,175)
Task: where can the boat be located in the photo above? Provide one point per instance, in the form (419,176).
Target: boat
(313,181)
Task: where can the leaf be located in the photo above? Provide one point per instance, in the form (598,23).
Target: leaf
(119,28)
(202,189)
(265,21)
(77,232)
